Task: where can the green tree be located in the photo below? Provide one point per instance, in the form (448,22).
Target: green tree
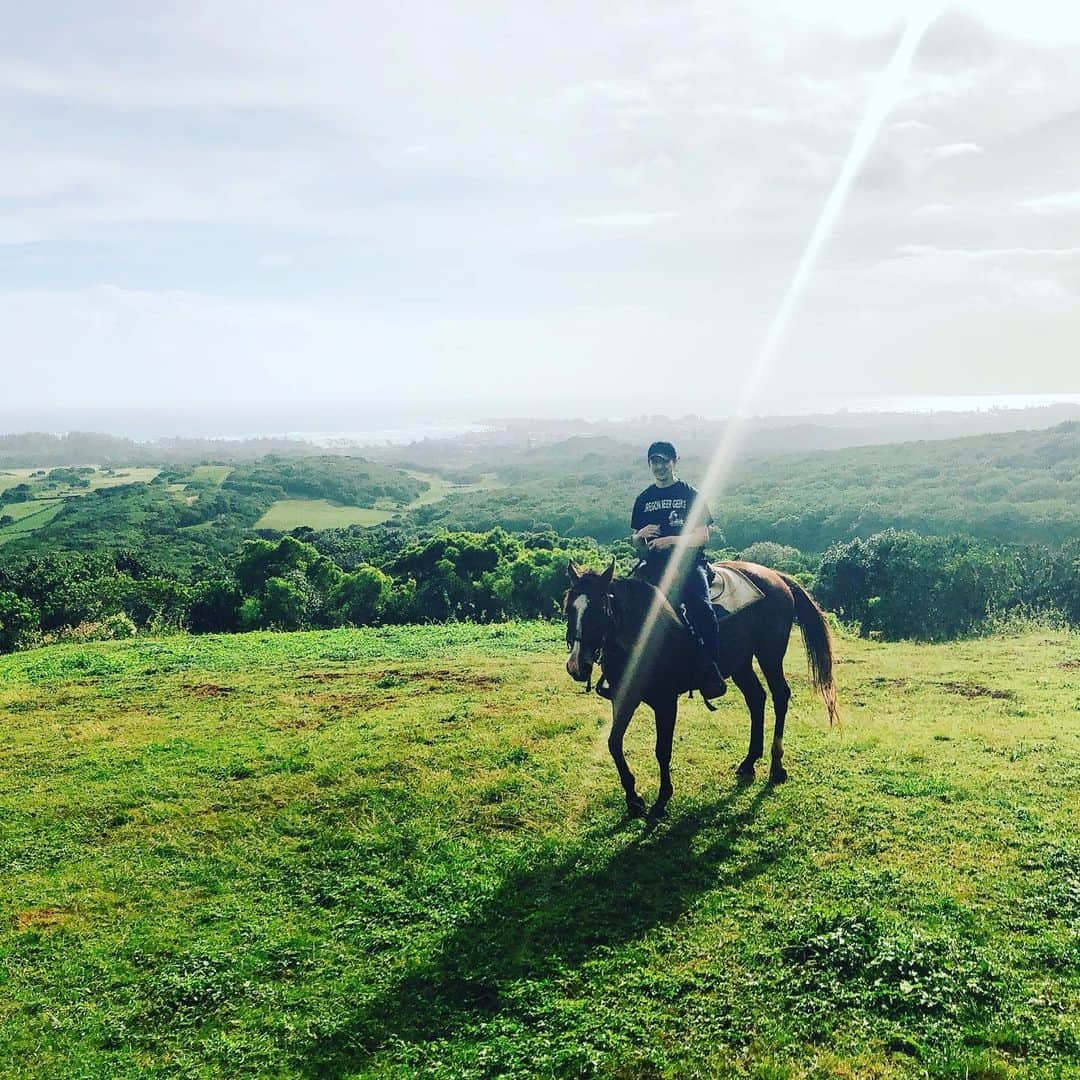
(20,626)
(359,598)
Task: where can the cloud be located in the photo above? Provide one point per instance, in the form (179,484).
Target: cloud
(954,150)
(1063,202)
(362,195)
(629,219)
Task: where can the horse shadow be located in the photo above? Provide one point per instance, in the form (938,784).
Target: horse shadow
(549,916)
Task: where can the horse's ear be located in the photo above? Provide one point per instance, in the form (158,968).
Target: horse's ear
(573,573)
(608,574)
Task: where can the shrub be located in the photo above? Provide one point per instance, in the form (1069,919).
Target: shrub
(20,626)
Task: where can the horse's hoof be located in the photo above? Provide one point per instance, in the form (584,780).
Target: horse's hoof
(658,811)
(745,771)
(636,807)
(777,774)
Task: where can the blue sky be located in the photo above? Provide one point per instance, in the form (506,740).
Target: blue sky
(510,207)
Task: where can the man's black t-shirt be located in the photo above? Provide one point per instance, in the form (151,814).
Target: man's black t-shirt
(668,507)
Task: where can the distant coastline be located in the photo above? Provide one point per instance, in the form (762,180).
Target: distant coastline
(334,428)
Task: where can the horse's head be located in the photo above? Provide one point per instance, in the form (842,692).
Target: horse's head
(589,618)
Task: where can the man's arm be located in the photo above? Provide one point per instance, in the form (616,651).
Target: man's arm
(696,539)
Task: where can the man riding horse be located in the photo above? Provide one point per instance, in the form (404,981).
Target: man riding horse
(660,513)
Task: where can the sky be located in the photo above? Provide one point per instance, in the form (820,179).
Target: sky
(383,208)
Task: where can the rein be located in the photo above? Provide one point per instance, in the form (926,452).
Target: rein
(608,610)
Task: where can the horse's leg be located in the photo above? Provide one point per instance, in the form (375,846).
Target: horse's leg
(620,721)
(665,735)
(773,670)
(754,693)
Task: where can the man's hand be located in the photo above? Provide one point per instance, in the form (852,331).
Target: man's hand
(660,543)
(647,533)
(697,539)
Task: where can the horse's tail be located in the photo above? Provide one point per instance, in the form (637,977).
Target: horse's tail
(818,642)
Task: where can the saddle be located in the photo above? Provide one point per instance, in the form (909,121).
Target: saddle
(730,589)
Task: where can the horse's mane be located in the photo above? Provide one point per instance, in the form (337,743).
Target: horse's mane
(633,598)
(640,596)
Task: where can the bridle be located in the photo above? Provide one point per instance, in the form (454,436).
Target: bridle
(607,610)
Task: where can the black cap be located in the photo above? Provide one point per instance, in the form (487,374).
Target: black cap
(661,447)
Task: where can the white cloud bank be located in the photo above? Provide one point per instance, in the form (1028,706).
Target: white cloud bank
(437,202)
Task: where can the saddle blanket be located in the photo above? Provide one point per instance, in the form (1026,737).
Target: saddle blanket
(731,590)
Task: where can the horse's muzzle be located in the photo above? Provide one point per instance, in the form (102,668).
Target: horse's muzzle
(578,666)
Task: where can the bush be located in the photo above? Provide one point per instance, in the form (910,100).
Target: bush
(930,588)
(115,627)
(20,626)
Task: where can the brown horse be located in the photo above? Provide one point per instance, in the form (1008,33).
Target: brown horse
(654,659)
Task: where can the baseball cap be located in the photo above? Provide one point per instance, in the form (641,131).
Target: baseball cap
(661,449)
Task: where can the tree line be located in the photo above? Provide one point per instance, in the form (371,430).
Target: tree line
(894,584)
(286,584)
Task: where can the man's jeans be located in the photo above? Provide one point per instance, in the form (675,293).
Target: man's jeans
(693,593)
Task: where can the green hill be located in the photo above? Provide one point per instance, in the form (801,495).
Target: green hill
(1019,487)
(401,851)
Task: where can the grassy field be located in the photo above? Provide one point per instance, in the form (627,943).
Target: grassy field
(320,514)
(216,473)
(128,475)
(288,514)
(11,477)
(440,488)
(402,851)
(29,516)
(32,515)
(18,511)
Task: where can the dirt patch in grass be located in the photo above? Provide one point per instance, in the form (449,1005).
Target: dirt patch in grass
(441,676)
(210,690)
(23,706)
(974,690)
(392,677)
(881,680)
(1070,665)
(42,918)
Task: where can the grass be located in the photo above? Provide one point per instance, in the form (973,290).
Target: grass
(288,514)
(18,511)
(10,478)
(402,851)
(29,517)
(440,487)
(128,475)
(32,515)
(216,473)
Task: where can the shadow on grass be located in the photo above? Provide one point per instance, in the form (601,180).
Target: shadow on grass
(551,915)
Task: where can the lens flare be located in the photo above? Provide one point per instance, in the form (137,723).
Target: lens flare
(878,108)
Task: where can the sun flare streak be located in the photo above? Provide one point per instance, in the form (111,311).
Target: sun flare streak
(881,103)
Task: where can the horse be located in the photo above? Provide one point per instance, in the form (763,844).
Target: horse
(606,621)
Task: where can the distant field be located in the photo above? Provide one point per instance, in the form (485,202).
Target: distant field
(288,514)
(28,509)
(29,517)
(402,851)
(440,487)
(123,476)
(32,515)
(217,473)
(12,477)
